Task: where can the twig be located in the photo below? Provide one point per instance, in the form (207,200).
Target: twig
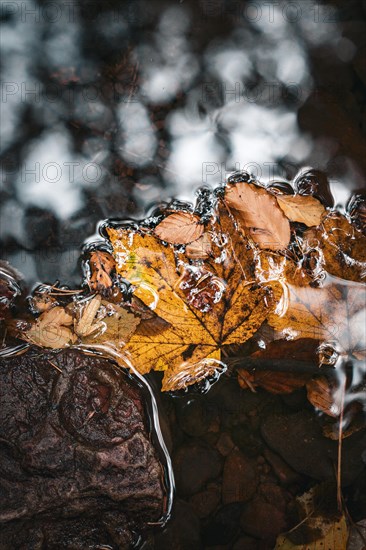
(339,457)
(54,366)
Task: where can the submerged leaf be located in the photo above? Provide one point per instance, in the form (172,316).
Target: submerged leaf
(319,526)
(335,539)
(322,394)
(179,228)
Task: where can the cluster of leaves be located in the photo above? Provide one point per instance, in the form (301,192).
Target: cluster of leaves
(247,261)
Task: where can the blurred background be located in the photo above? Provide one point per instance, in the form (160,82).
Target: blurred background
(110,107)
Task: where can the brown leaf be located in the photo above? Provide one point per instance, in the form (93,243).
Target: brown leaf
(322,394)
(301,208)
(179,228)
(56,315)
(199,249)
(274,382)
(117,327)
(256,210)
(101,265)
(49,329)
(303,350)
(342,246)
(85,323)
(333,313)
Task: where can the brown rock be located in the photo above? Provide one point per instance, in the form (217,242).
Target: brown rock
(299,440)
(75,453)
(206,502)
(240,478)
(284,473)
(194,465)
(225,444)
(263,520)
(275,495)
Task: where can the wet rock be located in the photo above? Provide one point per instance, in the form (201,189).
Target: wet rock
(78,468)
(246,543)
(284,473)
(263,520)
(225,444)
(194,465)
(247,440)
(273,494)
(298,439)
(232,401)
(206,502)
(182,531)
(194,417)
(239,479)
(225,525)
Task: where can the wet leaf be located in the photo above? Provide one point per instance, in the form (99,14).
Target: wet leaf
(85,323)
(322,394)
(293,353)
(334,313)
(331,429)
(335,538)
(199,249)
(320,527)
(184,375)
(101,265)
(194,332)
(117,326)
(274,382)
(179,228)
(301,208)
(342,246)
(258,214)
(51,329)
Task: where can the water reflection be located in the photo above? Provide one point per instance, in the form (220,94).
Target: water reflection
(108,110)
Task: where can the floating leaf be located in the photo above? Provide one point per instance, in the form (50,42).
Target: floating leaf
(343,247)
(101,265)
(301,208)
(117,326)
(179,228)
(51,329)
(335,313)
(193,333)
(256,210)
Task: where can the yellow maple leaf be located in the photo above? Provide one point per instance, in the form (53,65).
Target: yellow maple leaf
(194,333)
